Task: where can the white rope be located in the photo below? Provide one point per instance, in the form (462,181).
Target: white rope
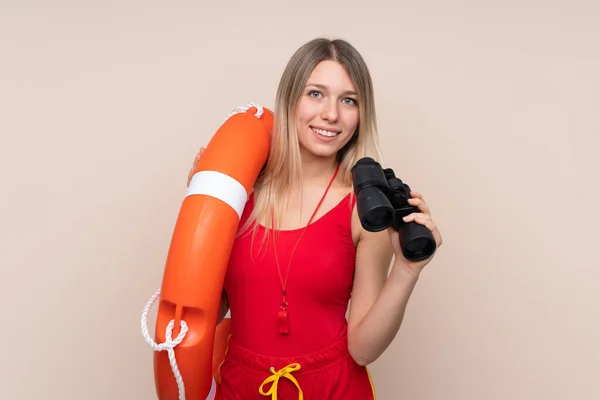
(169,344)
(245,108)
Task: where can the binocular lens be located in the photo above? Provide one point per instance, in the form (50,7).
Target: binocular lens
(418,242)
(419,249)
(379,218)
(374,209)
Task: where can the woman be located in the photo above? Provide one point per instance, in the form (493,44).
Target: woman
(289,292)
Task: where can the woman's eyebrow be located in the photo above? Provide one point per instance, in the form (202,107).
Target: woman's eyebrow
(324,87)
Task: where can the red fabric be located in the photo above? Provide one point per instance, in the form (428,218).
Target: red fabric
(318,292)
(328,374)
(319,285)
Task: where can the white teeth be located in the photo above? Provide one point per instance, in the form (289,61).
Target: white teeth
(324,132)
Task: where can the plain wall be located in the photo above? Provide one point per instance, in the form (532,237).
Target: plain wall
(490,109)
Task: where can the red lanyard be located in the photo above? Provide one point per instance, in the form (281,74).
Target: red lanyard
(282,317)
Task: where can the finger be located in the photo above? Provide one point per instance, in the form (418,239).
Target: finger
(420,204)
(417,195)
(198,156)
(426,221)
(195,164)
(414,216)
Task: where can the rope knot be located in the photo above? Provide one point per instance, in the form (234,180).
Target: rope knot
(285,372)
(168,345)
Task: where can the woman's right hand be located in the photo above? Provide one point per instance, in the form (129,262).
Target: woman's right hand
(194,165)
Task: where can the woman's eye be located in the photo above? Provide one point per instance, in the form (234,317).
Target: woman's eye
(314,93)
(350,101)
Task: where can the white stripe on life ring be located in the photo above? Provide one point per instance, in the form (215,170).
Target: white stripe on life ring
(220,186)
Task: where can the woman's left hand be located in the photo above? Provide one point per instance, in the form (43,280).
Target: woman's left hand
(424,218)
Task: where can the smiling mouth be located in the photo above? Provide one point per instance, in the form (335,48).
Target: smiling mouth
(324,132)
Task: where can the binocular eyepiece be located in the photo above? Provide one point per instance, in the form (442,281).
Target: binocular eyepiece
(382,202)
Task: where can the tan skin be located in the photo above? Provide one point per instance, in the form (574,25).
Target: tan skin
(378,301)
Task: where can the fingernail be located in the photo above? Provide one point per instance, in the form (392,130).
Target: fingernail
(406,218)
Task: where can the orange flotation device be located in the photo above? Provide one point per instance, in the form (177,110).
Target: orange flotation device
(188,344)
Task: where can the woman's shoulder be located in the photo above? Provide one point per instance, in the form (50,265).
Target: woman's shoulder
(347,199)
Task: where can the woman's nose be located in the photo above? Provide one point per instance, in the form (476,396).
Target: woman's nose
(330,112)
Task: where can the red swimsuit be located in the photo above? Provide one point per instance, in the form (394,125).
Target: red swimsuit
(313,357)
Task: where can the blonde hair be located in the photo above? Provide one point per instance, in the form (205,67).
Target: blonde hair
(283,169)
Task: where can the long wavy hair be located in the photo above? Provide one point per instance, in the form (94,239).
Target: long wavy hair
(283,169)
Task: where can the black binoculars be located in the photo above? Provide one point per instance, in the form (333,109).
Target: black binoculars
(382,202)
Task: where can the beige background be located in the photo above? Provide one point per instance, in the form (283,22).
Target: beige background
(488,108)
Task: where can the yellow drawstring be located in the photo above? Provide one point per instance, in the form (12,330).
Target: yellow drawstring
(284,372)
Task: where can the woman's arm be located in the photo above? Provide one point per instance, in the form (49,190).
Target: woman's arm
(379,300)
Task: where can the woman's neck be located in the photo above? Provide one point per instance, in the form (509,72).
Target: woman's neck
(317,170)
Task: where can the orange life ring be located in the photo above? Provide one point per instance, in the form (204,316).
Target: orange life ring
(188,352)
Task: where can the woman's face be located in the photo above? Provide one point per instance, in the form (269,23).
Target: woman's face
(328,110)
